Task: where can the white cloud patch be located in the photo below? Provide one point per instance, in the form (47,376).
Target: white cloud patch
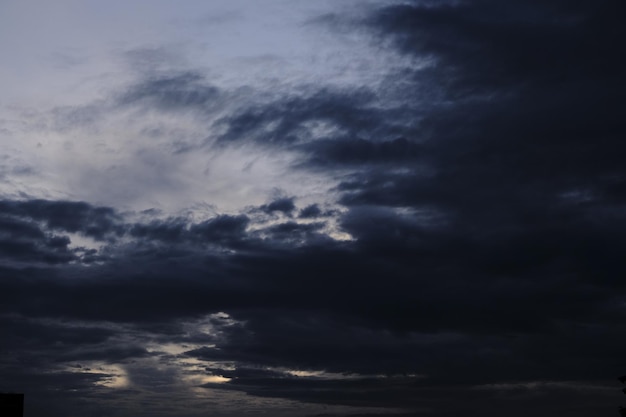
(76,142)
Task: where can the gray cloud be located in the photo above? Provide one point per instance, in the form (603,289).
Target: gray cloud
(183,91)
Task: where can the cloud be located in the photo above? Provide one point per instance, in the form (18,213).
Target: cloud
(283,205)
(182,91)
(310,211)
(224,229)
(320,308)
(95,222)
(294,118)
(354,152)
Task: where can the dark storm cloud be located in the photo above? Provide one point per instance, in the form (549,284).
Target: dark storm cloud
(354,151)
(310,211)
(503,225)
(294,229)
(52,393)
(60,382)
(110,354)
(283,205)
(74,217)
(41,333)
(480,44)
(222,228)
(327,308)
(394,391)
(171,230)
(527,154)
(24,241)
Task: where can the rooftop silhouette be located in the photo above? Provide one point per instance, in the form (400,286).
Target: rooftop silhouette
(11,405)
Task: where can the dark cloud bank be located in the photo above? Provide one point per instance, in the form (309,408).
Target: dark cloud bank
(485,277)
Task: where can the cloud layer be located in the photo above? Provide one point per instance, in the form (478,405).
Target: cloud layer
(445,240)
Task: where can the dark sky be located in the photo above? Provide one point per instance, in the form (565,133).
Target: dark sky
(401,208)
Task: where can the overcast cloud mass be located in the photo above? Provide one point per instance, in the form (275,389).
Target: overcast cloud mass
(313,208)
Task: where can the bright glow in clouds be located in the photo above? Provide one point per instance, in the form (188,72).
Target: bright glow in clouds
(75,141)
(113,376)
(114,163)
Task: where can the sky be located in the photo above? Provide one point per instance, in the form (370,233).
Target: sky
(330,208)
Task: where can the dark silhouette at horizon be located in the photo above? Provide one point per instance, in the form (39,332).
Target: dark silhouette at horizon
(622,410)
(11,405)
